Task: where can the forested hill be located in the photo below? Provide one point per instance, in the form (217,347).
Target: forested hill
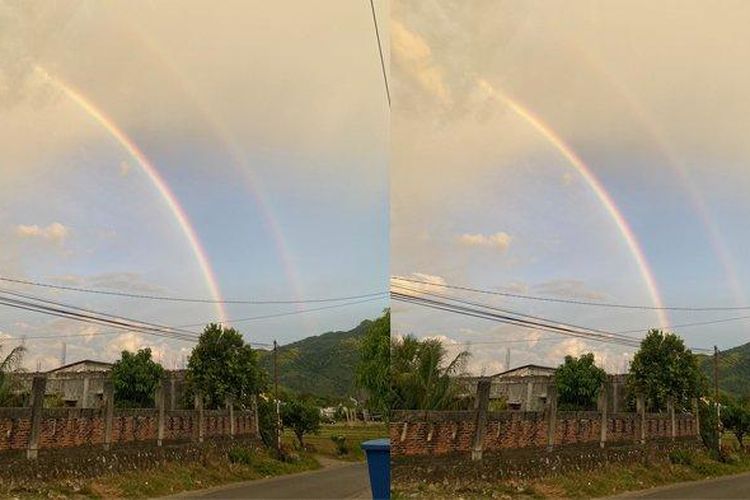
(322,366)
(734,370)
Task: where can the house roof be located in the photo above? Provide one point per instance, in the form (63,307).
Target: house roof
(98,364)
(518,368)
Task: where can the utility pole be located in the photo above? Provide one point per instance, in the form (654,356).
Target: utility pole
(716,393)
(276,394)
(507,359)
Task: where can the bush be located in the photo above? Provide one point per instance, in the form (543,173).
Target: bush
(240,455)
(682,457)
(342,448)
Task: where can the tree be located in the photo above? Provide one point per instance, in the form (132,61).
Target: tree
(578,381)
(135,377)
(223,366)
(664,369)
(423,377)
(8,365)
(736,418)
(302,417)
(374,364)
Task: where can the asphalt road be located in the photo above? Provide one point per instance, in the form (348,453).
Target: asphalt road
(737,486)
(338,481)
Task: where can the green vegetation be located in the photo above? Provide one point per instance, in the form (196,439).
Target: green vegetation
(734,370)
(609,480)
(423,377)
(321,367)
(301,417)
(223,366)
(735,417)
(135,377)
(8,365)
(373,369)
(664,369)
(241,463)
(578,381)
(322,444)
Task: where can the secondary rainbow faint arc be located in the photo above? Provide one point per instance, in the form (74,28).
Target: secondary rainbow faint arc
(596,186)
(153,174)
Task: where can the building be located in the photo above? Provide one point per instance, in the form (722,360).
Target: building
(81,384)
(526,388)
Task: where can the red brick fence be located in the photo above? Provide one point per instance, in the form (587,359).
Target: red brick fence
(415,433)
(37,427)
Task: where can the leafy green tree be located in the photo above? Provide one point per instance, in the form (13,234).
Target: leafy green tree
(373,370)
(423,377)
(578,381)
(736,418)
(221,366)
(9,364)
(135,377)
(664,368)
(302,417)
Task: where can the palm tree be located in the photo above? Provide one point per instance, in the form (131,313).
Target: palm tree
(422,378)
(8,365)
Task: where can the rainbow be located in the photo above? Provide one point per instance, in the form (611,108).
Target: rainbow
(699,204)
(601,193)
(153,174)
(238,160)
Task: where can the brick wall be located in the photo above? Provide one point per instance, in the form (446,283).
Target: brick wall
(70,427)
(415,433)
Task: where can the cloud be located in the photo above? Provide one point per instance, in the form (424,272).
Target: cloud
(500,241)
(428,283)
(55,232)
(413,55)
(569,289)
(121,281)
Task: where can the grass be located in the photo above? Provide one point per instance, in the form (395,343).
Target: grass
(170,478)
(609,480)
(322,444)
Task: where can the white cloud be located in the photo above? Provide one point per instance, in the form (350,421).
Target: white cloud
(500,240)
(424,283)
(55,232)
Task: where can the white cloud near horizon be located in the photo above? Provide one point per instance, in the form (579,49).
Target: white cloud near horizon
(500,240)
(54,232)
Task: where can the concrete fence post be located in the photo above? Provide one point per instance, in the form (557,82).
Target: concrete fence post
(38,386)
(256,417)
(603,405)
(672,419)
(481,404)
(551,416)
(85,393)
(198,418)
(109,412)
(640,403)
(172,393)
(230,410)
(696,418)
(161,406)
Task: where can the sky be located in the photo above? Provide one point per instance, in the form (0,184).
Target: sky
(195,150)
(581,150)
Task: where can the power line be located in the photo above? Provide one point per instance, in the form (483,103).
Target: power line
(380,51)
(513,319)
(573,301)
(185,299)
(697,323)
(516,321)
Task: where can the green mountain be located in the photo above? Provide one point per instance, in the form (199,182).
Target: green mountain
(734,370)
(322,366)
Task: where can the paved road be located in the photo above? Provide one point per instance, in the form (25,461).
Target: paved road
(336,481)
(737,486)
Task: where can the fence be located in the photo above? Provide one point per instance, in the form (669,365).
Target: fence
(445,432)
(37,427)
